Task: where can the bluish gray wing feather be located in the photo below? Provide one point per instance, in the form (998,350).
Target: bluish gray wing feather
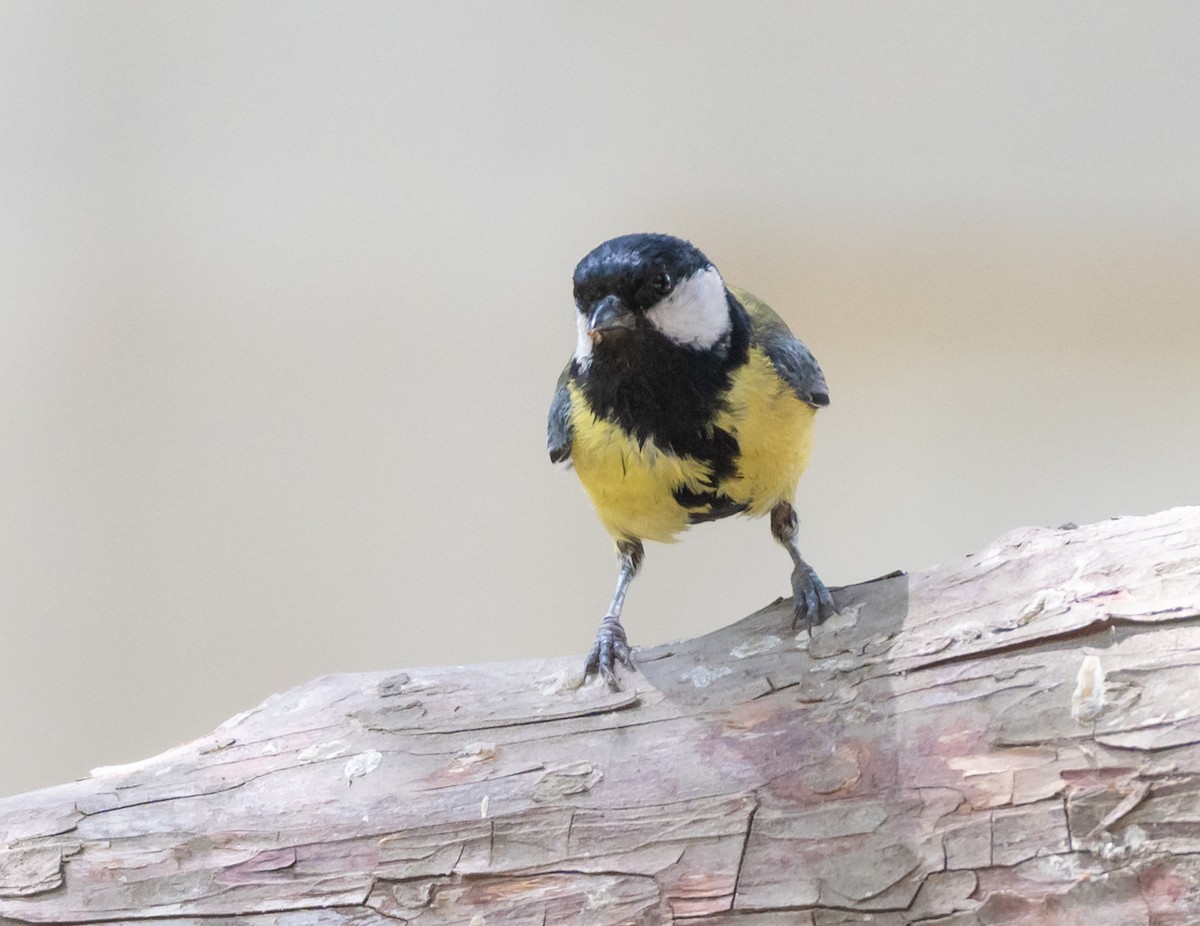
(558,425)
(791,359)
(798,367)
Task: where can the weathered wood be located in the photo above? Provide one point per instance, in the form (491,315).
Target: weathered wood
(1011,739)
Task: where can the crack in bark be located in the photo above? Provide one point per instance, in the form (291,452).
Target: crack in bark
(632,699)
(127,916)
(737,878)
(166,800)
(1050,642)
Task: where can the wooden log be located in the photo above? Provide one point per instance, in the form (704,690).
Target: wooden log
(1011,739)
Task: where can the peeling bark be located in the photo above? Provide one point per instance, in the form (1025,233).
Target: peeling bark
(1011,739)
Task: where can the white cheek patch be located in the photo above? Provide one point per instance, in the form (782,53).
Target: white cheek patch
(695,314)
(583,344)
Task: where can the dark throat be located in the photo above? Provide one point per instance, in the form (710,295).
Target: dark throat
(656,390)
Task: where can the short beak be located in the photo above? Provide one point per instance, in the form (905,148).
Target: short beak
(610,314)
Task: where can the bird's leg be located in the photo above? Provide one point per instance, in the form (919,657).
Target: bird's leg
(812,599)
(611,646)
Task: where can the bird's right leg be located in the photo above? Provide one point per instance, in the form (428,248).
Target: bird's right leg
(812,600)
(611,646)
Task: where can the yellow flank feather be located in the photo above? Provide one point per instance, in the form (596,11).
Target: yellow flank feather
(774,433)
(631,486)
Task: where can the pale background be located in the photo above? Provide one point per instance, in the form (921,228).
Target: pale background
(284,290)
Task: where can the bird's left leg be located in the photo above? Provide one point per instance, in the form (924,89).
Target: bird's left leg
(812,599)
(611,646)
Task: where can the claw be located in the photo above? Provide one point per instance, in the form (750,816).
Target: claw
(813,602)
(610,649)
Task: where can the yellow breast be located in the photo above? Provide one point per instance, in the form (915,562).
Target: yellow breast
(774,434)
(632,486)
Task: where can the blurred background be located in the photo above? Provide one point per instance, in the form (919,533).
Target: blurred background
(285,288)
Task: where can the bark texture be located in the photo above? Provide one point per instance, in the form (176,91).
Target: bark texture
(1011,739)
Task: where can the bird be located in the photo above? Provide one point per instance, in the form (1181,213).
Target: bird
(686,400)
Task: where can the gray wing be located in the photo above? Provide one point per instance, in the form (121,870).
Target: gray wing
(799,369)
(792,360)
(558,424)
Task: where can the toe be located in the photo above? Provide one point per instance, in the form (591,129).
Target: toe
(610,650)
(591,665)
(813,602)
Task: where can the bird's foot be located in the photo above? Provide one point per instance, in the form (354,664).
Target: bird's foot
(610,649)
(813,602)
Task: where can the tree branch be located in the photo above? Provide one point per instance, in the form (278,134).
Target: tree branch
(1011,739)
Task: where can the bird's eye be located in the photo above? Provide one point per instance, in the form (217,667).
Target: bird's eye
(662,283)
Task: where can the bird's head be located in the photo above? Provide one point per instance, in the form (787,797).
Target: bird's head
(648,286)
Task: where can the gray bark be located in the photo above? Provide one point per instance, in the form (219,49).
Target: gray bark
(1011,739)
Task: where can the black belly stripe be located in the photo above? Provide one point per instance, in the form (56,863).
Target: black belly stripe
(658,391)
(706,506)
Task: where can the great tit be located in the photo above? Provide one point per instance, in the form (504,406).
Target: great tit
(686,400)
